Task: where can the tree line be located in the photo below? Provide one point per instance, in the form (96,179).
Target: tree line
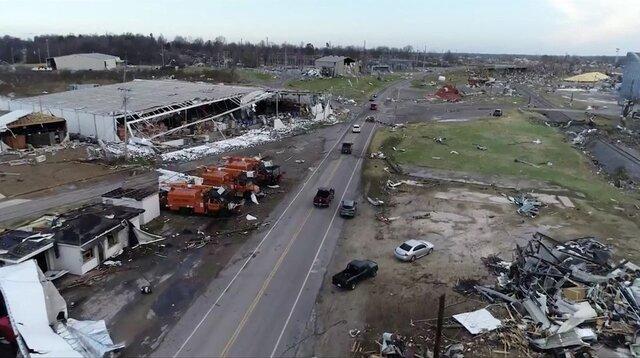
(138,49)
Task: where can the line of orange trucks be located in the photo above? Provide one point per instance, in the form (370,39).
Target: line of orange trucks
(223,188)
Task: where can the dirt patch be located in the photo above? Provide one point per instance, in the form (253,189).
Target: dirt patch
(63,166)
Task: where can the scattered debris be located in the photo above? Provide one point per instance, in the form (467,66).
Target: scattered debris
(527,204)
(250,217)
(478,321)
(375,201)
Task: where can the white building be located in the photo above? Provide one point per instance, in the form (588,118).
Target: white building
(146,199)
(334,66)
(84,62)
(76,241)
(98,112)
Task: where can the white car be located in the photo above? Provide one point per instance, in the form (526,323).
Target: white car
(411,250)
(356,128)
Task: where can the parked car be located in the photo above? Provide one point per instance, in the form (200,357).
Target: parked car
(411,250)
(635,115)
(356,271)
(497,113)
(346,148)
(356,128)
(348,208)
(373,107)
(323,197)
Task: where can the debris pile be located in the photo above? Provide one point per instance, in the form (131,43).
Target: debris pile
(527,205)
(564,297)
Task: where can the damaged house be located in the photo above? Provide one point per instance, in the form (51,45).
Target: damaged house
(88,236)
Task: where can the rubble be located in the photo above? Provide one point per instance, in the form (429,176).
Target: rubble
(527,204)
(565,296)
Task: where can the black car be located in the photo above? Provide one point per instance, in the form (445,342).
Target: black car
(356,271)
(346,148)
(348,208)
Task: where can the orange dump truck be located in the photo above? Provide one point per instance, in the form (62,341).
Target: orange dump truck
(265,172)
(199,199)
(239,182)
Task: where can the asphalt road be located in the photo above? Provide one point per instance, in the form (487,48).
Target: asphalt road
(12,210)
(258,306)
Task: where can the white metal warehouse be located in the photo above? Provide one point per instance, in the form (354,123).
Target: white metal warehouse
(96,112)
(85,62)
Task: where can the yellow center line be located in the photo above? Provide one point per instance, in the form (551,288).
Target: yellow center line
(253,305)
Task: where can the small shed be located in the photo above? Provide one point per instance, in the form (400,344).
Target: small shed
(21,127)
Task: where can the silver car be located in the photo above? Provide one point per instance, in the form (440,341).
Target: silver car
(411,250)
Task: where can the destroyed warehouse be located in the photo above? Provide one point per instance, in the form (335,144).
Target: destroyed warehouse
(158,108)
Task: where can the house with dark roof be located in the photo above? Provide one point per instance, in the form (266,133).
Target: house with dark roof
(17,246)
(76,241)
(88,236)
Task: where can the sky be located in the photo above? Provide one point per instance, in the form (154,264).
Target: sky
(558,27)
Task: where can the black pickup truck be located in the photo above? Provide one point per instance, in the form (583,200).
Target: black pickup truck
(356,271)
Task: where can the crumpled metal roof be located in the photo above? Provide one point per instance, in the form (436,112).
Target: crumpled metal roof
(11,117)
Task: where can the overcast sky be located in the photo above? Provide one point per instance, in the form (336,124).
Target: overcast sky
(580,27)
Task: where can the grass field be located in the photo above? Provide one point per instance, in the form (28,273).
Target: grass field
(507,138)
(457,77)
(250,75)
(349,87)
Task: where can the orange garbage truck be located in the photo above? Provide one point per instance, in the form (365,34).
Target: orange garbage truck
(238,182)
(200,199)
(264,172)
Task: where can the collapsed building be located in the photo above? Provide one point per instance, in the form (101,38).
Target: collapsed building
(160,110)
(21,128)
(334,66)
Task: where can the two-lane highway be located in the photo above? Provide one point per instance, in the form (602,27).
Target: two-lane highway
(259,305)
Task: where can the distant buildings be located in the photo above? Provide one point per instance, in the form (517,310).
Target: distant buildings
(84,62)
(334,66)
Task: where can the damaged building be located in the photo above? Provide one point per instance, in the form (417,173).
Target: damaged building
(334,66)
(21,128)
(160,110)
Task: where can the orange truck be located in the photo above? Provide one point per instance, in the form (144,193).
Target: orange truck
(237,181)
(264,172)
(199,199)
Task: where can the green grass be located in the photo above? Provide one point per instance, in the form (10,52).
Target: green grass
(349,87)
(254,76)
(506,138)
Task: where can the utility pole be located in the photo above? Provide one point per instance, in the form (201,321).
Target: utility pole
(125,99)
(436,348)
(162,54)
(47,42)
(277,95)
(12,60)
